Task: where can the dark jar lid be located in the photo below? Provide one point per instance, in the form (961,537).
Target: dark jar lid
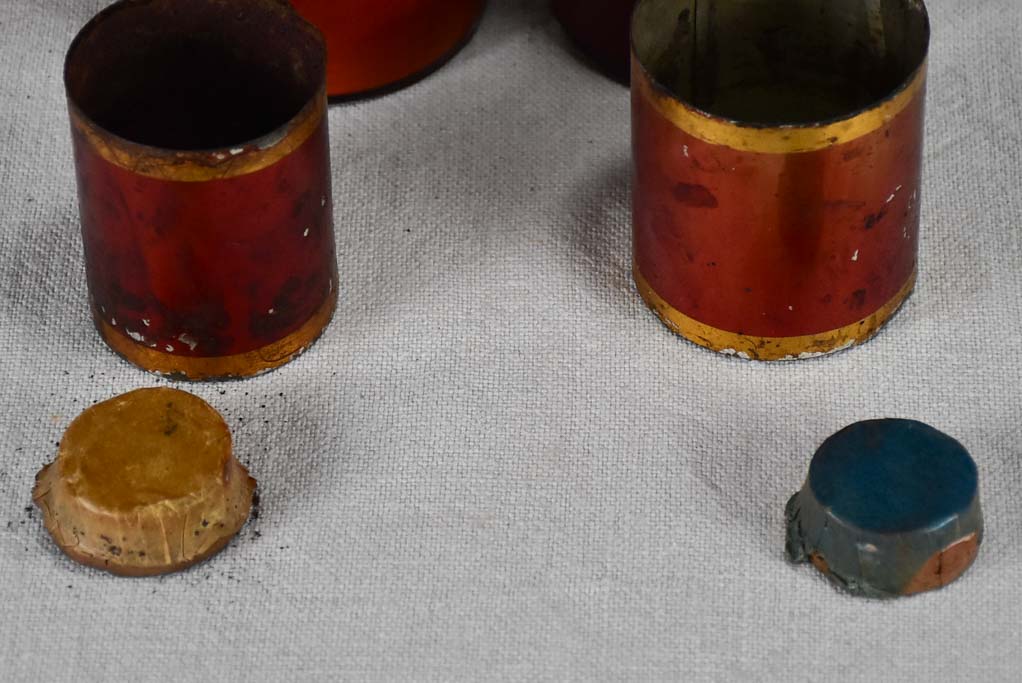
(890,507)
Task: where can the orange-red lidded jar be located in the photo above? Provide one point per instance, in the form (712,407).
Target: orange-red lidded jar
(381,46)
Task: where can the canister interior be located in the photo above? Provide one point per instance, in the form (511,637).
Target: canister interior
(196,75)
(777,62)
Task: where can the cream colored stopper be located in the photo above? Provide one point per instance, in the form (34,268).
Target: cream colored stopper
(144,484)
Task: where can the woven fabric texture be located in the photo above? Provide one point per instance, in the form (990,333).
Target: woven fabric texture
(497,464)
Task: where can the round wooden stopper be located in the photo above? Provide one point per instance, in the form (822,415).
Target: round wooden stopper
(145,484)
(890,507)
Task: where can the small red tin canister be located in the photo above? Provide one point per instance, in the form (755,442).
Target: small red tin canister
(600,29)
(382,46)
(778,148)
(203,167)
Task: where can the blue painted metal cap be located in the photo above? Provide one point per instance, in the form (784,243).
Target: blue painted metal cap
(890,507)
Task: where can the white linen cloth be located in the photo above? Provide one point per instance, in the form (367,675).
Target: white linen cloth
(497,464)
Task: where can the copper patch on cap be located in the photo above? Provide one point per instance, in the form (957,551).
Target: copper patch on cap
(945,566)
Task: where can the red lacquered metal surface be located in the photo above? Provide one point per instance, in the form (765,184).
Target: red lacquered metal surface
(600,29)
(830,237)
(205,205)
(374,46)
(215,268)
(770,240)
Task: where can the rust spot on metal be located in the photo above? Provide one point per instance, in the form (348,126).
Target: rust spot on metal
(820,563)
(874,218)
(696,196)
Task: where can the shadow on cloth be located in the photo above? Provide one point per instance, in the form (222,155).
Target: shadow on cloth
(465,186)
(42,276)
(599,232)
(746,486)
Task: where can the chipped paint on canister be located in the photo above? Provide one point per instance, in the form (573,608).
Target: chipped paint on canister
(187,247)
(778,240)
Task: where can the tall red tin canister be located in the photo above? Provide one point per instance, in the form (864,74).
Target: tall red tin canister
(600,29)
(203,168)
(381,46)
(777,150)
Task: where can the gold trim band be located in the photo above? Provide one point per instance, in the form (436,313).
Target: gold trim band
(771,348)
(775,139)
(236,366)
(203,165)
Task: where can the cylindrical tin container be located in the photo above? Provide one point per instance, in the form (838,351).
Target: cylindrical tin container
(203,167)
(777,150)
(600,29)
(383,46)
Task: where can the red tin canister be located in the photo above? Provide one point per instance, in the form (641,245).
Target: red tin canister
(381,46)
(203,167)
(600,29)
(777,180)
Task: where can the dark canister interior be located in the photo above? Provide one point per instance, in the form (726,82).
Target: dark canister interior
(600,30)
(194,74)
(776,62)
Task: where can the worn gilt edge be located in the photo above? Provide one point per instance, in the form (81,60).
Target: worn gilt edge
(202,165)
(789,139)
(235,366)
(751,347)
